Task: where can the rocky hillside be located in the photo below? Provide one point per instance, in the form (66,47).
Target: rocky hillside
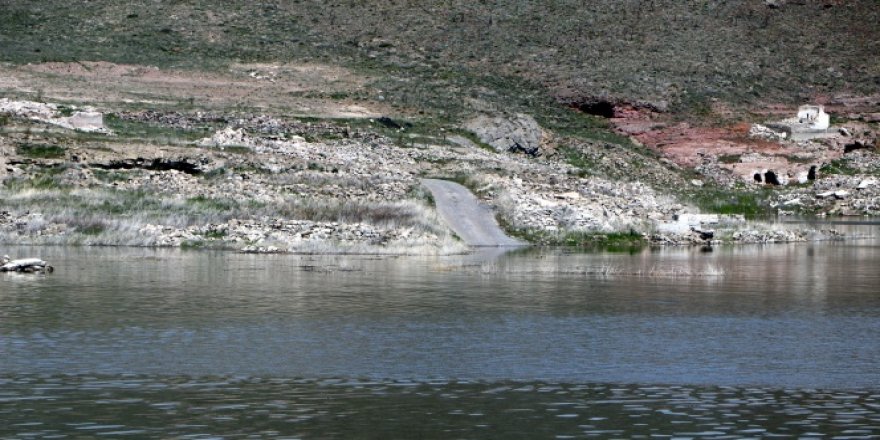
(307,125)
(675,53)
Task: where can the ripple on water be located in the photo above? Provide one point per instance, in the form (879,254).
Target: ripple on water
(185,407)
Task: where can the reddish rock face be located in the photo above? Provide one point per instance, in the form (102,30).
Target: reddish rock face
(731,147)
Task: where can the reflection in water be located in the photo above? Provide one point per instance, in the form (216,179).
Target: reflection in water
(745,335)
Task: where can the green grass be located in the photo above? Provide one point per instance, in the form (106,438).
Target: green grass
(111,176)
(203,203)
(578,159)
(44,178)
(152,132)
(215,234)
(40,151)
(750,203)
(838,166)
(65,110)
(612,242)
(729,158)
(90,227)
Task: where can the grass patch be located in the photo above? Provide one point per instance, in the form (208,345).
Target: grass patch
(111,176)
(215,234)
(152,132)
(89,226)
(798,159)
(729,158)
(65,110)
(204,203)
(750,203)
(611,242)
(40,151)
(578,159)
(47,178)
(839,166)
(476,140)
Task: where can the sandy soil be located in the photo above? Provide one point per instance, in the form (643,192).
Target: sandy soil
(294,89)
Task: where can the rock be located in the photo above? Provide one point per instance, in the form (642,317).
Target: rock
(704,233)
(697,182)
(27,265)
(841,194)
(825,195)
(764,132)
(867,183)
(518,133)
(228,137)
(87,120)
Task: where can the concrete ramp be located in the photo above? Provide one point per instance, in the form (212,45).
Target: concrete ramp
(472,221)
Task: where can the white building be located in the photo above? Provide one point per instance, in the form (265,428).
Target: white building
(814,117)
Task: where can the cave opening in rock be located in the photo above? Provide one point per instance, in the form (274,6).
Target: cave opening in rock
(600,108)
(758,178)
(770,177)
(147,164)
(857,145)
(811,175)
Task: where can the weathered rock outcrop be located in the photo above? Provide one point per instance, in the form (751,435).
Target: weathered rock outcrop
(518,133)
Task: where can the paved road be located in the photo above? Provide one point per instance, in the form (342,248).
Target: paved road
(472,221)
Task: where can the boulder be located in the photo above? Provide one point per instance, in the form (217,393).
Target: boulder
(867,183)
(24,265)
(517,133)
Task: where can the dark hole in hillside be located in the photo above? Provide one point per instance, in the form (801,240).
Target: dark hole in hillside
(758,177)
(392,124)
(155,165)
(601,108)
(811,175)
(857,145)
(770,177)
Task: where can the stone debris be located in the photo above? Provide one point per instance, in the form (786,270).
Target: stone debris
(763,132)
(87,119)
(228,137)
(835,195)
(590,205)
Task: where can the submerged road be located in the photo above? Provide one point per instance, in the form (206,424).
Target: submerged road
(473,222)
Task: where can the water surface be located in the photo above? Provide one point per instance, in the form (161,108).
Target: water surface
(543,342)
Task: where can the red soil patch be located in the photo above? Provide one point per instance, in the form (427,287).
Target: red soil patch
(690,146)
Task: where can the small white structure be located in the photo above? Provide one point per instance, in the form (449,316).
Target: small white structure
(814,117)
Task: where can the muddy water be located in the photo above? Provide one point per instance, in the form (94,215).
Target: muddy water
(737,342)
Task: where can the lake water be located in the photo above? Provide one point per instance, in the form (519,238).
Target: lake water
(748,341)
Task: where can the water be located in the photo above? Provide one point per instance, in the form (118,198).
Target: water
(751,341)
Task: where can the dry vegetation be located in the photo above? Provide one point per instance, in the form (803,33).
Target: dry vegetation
(681,52)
